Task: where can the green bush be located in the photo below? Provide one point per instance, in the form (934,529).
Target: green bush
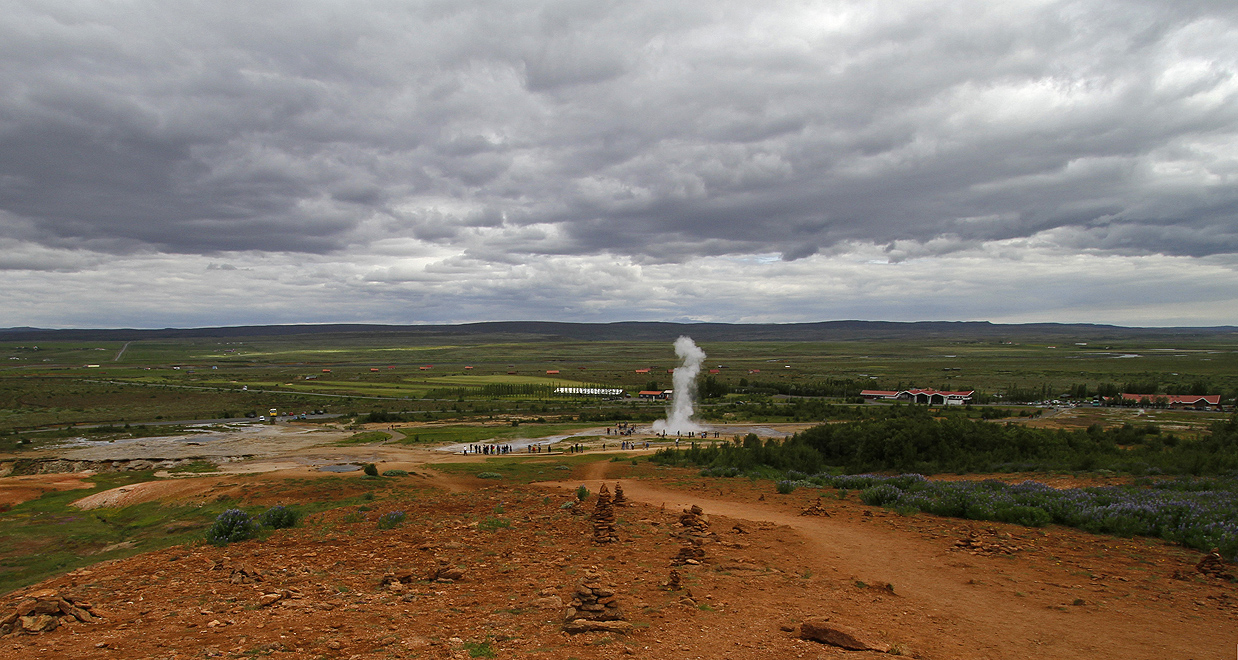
(278,517)
(1029,516)
(785,487)
(395,473)
(880,495)
(370,470)
(391,520)
(489,475)
(231,526)
(491,523)
(581,493)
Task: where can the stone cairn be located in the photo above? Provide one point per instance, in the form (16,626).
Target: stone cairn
(604,518)
(43,611)
(694,521)
(1213,565)
(985,544)
(815,509)
(619,499)
(245,574)
(694,533)
(594,607)
(444,573)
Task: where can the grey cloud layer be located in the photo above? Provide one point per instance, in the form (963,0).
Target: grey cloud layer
(659,131)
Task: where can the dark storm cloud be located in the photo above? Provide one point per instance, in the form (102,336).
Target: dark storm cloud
(653,130)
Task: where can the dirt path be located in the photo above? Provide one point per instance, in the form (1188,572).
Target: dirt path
(980,607)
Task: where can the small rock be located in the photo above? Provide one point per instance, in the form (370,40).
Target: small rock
(548,603)
(582,625)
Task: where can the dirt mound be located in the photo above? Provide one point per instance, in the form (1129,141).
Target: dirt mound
(147,491)
(15,490)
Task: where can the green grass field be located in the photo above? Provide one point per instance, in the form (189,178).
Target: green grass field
(208,377)
(47,536)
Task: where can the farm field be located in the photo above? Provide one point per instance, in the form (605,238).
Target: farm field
(149,380)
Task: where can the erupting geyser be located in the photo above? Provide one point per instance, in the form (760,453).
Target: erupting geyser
(679,415)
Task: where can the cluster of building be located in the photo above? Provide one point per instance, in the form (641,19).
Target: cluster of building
(944,398)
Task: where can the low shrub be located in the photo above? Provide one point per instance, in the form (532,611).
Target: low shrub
(491,523)
(395,473)
(278,517)
(489,475)
(582,493)
(390,520)
(880,495)
(370,470)
(231,526)
(785,487)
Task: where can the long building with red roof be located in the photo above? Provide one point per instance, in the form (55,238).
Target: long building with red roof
(926,396)
(1196,401)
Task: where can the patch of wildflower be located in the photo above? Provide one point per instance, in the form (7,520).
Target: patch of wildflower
(1201,514)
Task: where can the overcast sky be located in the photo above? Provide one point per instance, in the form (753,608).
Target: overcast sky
(222,163)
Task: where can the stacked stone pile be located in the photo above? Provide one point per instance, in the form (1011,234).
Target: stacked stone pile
(245,574)
(694,532)
(44,611)
(592,602)
(694,521)
(815,509)
(691,555)
(978,544)
(619,499)
(1213,565)
(604,518)
(443,572)
(395,582)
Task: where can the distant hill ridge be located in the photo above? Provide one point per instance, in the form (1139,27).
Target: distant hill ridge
(652,331)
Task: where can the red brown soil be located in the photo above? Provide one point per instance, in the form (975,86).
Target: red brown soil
(15,490)
(1058,593)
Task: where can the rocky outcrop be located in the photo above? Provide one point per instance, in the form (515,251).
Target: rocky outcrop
(44,611)
(841,636)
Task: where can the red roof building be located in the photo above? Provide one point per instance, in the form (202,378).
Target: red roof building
(1195,401)
(929,397)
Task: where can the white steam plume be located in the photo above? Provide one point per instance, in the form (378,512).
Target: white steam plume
(679,415)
